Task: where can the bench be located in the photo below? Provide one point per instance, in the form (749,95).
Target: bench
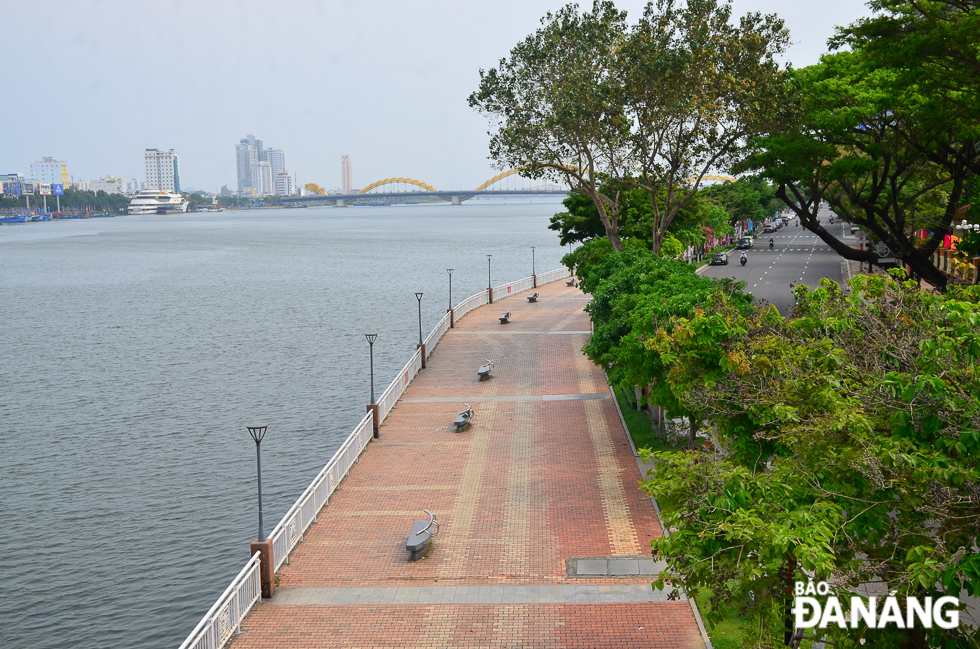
(420,538)
(462,421)
(570,282)
(532,298)
(505,318)
(485,369)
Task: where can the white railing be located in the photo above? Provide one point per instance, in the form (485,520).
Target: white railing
(470,303)
(225,617)
(394,392)
(553,276)
(436,335)
(506,290)
(303,513)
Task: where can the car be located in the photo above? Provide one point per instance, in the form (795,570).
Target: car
(769,228)
(719,259)
(744,243)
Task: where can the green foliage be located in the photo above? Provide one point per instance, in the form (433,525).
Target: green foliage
(589,100)
(846,446)
(886,132)
(634,294)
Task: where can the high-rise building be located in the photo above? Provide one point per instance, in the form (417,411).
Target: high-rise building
(49,170)
(262,179)
(346,174)
(249,156)
(246,155)
(277,159)
(284,184)
(162,170)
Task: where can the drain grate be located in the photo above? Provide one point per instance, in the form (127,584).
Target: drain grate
(629,566)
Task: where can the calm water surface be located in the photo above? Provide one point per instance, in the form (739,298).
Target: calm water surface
(136,349)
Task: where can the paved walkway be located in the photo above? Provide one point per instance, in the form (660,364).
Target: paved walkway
(544,536)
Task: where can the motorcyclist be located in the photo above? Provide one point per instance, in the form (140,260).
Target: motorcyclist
(771,244)
(743,259)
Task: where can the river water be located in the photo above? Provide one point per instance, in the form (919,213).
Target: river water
(136,349)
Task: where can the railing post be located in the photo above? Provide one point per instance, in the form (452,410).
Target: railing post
(490,293)
(422,347)
(376,421)
(267,566)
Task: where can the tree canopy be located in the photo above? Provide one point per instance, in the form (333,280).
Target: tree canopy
(655,106)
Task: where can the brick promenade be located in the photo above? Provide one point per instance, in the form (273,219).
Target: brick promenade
(542,485)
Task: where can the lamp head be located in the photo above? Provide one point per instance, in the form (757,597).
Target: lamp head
(449,270)
(257,431)
(371,338)
(418,296)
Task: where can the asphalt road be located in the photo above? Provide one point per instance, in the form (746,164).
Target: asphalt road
(799,257)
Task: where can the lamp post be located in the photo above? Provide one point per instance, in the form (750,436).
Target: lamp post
(488,271)
(371,338)
(257,432)
(450,271)
(532,261)
(418,296)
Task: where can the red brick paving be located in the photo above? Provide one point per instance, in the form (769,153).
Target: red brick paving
(530,484)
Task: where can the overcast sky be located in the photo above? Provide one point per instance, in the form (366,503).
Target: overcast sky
(96,82)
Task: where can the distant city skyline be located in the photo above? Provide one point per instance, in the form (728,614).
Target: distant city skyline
(390,92)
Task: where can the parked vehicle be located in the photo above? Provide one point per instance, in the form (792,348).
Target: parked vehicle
(769,228)
(744,243)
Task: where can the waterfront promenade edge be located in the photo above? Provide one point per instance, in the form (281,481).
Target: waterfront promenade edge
(545,534)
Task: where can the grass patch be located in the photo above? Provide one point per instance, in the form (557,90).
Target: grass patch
(639,425)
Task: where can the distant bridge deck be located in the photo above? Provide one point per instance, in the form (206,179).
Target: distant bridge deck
(455,196)
(544,537)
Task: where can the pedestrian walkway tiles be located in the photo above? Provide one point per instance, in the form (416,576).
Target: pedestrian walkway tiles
(544,534)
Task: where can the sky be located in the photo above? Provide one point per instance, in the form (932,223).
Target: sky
(384,82)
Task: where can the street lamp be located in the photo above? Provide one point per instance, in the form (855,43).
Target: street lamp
(371,338)
(257,432)
(450,271)
(532,261)
(488,271)
(968,226)
(418,296)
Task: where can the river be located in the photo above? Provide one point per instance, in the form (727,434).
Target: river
(136,349)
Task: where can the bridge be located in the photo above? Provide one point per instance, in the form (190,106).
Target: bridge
(394,188)
(454,196)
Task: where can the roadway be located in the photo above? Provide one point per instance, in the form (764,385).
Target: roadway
(798,257)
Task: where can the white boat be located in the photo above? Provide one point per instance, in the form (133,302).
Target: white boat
(156,201)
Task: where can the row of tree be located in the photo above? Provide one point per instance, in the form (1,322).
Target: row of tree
(844,443)
(887,131)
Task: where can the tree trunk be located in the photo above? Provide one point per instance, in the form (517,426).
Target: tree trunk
(692,431)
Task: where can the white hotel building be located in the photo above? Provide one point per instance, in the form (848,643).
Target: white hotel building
(162,170)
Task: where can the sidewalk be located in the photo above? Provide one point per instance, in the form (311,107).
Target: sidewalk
(544,537)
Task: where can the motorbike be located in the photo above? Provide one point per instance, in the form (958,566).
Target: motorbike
(743,260)
(771,245)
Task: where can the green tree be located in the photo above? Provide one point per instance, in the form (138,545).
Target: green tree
(697,87)
(846,449)
(557,105)
(654,107)
(887,133)
(634,294)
